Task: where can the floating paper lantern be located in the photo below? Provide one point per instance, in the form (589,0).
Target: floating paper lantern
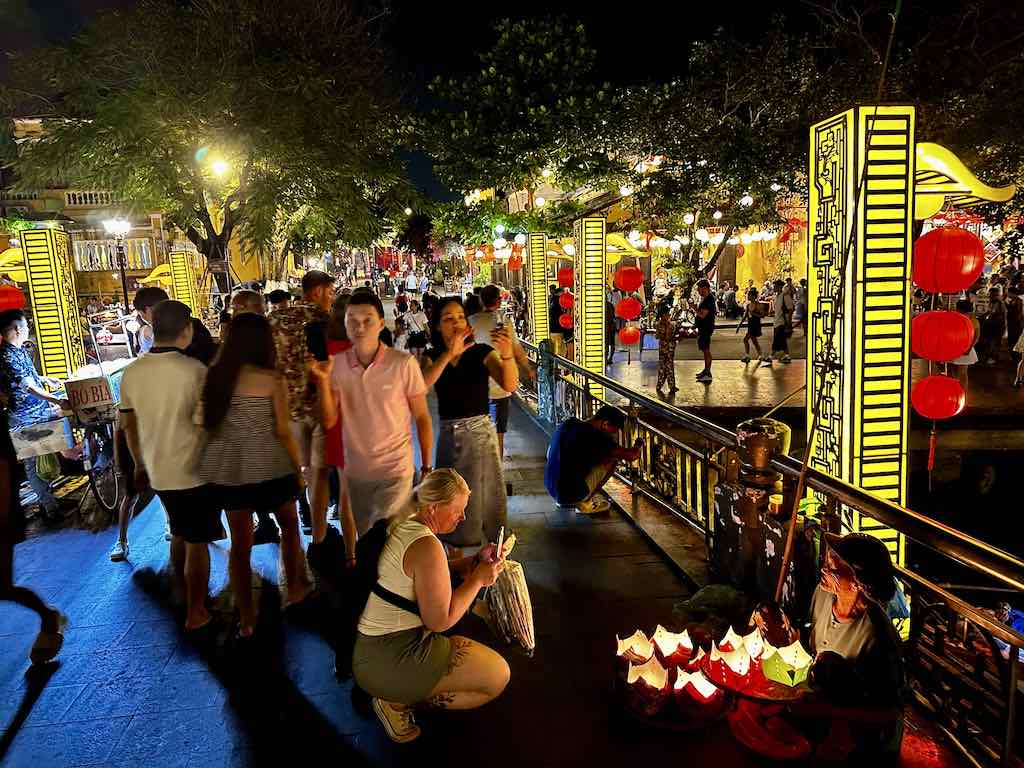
(565,277)
(637,648)
(731,667)
(697,686)
(647,687)
(629,308)
(673,649)
(731,641)
(754,644)
(788,665)
(565,301)
(629,335)
(565,321)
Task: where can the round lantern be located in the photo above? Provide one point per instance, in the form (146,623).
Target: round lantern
(565,301)
(629,308)
(565,277)
(488,253)
(628,279)
(515,263)
(948,260)
(629,335)
(938,397)
(941,336)
(565,321)
(11,298)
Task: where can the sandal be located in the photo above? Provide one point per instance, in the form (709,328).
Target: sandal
(48,644)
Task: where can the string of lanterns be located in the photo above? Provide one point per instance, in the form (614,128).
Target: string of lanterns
(628,279)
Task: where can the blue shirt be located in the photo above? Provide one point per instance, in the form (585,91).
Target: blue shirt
(576,449)
(23,407)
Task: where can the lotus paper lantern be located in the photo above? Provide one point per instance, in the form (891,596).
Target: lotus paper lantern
(636,649)
(788,665)
(698,687)
(673,649)
(647,687)
(731,641)
(754,644)
(733,667)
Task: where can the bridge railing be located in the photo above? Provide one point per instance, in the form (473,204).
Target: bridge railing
(962,663)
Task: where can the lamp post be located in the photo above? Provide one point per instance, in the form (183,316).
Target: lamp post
(119,227)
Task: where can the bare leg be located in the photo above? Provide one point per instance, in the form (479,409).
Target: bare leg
(178,565)
(757,346)
(292,557)
(316,477)
(501,445)
(240,568)
(49,618)
(475,676)
(707,359)
(124,516)
(197,578)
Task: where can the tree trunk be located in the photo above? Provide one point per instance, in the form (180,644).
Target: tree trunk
(718,251)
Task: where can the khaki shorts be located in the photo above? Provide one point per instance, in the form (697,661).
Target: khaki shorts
(403,667)
(309,436)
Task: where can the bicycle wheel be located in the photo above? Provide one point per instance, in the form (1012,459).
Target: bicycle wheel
(106,487)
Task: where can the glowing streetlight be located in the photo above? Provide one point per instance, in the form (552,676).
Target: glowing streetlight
(119,227)
(219,167)
(716,215)
(408,211)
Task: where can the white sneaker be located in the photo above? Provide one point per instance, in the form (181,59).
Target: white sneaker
(400,725)
(120,552)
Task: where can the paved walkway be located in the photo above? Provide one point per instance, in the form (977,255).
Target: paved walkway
(129,690)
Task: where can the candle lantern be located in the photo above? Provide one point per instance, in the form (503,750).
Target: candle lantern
(635,649)
(788,665)
(696,660)
(673,649)
(754,643)
(695,687)
(731,641)
(647,687)
(732,667)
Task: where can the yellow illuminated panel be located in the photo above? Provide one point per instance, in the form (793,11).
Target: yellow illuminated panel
(537,271)
(51,283)
(183,279)
(589,291)
(864,419)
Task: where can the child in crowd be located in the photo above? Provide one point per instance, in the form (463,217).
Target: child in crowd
(752,314)
(667,333)
(401,335)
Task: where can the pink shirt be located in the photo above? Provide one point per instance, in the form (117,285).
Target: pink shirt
(376,421)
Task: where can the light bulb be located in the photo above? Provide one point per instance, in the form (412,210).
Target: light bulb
(499,228)
(746,201)
(702,235)
(775,187)
(408,211)
(520,239)
(716,215)
(625,190)
(687,218)
(569,249)
(539,201)
(500,243)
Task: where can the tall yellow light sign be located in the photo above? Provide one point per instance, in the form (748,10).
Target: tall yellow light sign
(51,284)
(537,270)
(589,292)
(183,279)
(864,419)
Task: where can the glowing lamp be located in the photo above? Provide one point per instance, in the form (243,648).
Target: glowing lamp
(948,260)
(499,228)
(408,211)
(565,277)
(788,665)
(674,245)
(539,201)
(520,239)
(647,685)
(746,238)
(629,335)
(688,218)
(673,648)
(697,686)
(941,336)
(746,201)
(757,236)
(479,253)
(546,173)
(684,240)
(565,301)
(570,249)
(734,241)
(625,190)
(775,187)
(637,648)
(500,243)
(628,279)
(754,643)
(731,641)
(565,321)
(629,308)
(634,236)
(938,397)
(117,227)
(717,238)
(731,666)
(716,215)
(11,298)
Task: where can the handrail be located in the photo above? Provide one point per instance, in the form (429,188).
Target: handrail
(961,547)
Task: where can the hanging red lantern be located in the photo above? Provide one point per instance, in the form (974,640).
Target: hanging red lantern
(515,262)
(628,279)
(565,301)
(11,298)
(629,308)
(938,397)
(629,335)
(941,336)
(948,260)
(488,253)
(565,321)
(565,277)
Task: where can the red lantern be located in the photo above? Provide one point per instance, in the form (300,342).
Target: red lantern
(488,253)
(629,335)
(515,263)
(948,260)
(938,397)
(941,336)
(565,277)
(628,279)
(11,298)
(565,321)
(565,301)
(629,308)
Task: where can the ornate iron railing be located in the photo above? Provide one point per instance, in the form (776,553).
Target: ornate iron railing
(962,663)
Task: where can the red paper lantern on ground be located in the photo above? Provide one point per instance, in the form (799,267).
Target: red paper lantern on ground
(565,321)
(941,336)
(629,335)
(11,298)
(565,301)
(565,277)
(948,260)
(938,397)
(628,279)
(629,308)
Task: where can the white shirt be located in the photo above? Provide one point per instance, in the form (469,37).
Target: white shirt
(483,324)
(411,282)
(783,307)
(163,389)
(415,321)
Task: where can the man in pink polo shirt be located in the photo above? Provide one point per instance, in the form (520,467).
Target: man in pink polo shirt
(376,391)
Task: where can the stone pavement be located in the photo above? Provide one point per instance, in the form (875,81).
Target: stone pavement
(130,690)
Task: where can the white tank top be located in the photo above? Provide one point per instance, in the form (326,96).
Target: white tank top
(380,617)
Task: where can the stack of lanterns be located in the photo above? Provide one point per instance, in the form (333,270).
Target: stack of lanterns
(946,260)
(565,299)
(629,279)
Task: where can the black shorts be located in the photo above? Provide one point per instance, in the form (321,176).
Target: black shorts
(193,515)
(499,414)
(703,341)
(269,494)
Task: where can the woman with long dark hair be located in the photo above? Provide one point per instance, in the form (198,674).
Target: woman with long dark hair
(459,370)
(251,460)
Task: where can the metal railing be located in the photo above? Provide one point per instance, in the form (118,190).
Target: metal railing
(962,663)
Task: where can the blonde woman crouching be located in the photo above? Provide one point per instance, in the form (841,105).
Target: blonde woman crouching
(399,659)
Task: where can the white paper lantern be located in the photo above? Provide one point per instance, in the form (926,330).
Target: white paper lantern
(520,239)
(687,218)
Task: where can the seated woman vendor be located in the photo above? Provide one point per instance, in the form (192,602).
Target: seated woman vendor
(400,657)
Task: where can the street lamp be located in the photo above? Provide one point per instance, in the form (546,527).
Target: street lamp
(119,228)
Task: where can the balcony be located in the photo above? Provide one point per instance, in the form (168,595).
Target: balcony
(89,198)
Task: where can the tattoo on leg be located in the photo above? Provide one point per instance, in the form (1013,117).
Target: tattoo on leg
(441,700)
(459,652)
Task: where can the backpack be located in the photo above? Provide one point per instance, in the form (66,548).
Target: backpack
(351,588)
